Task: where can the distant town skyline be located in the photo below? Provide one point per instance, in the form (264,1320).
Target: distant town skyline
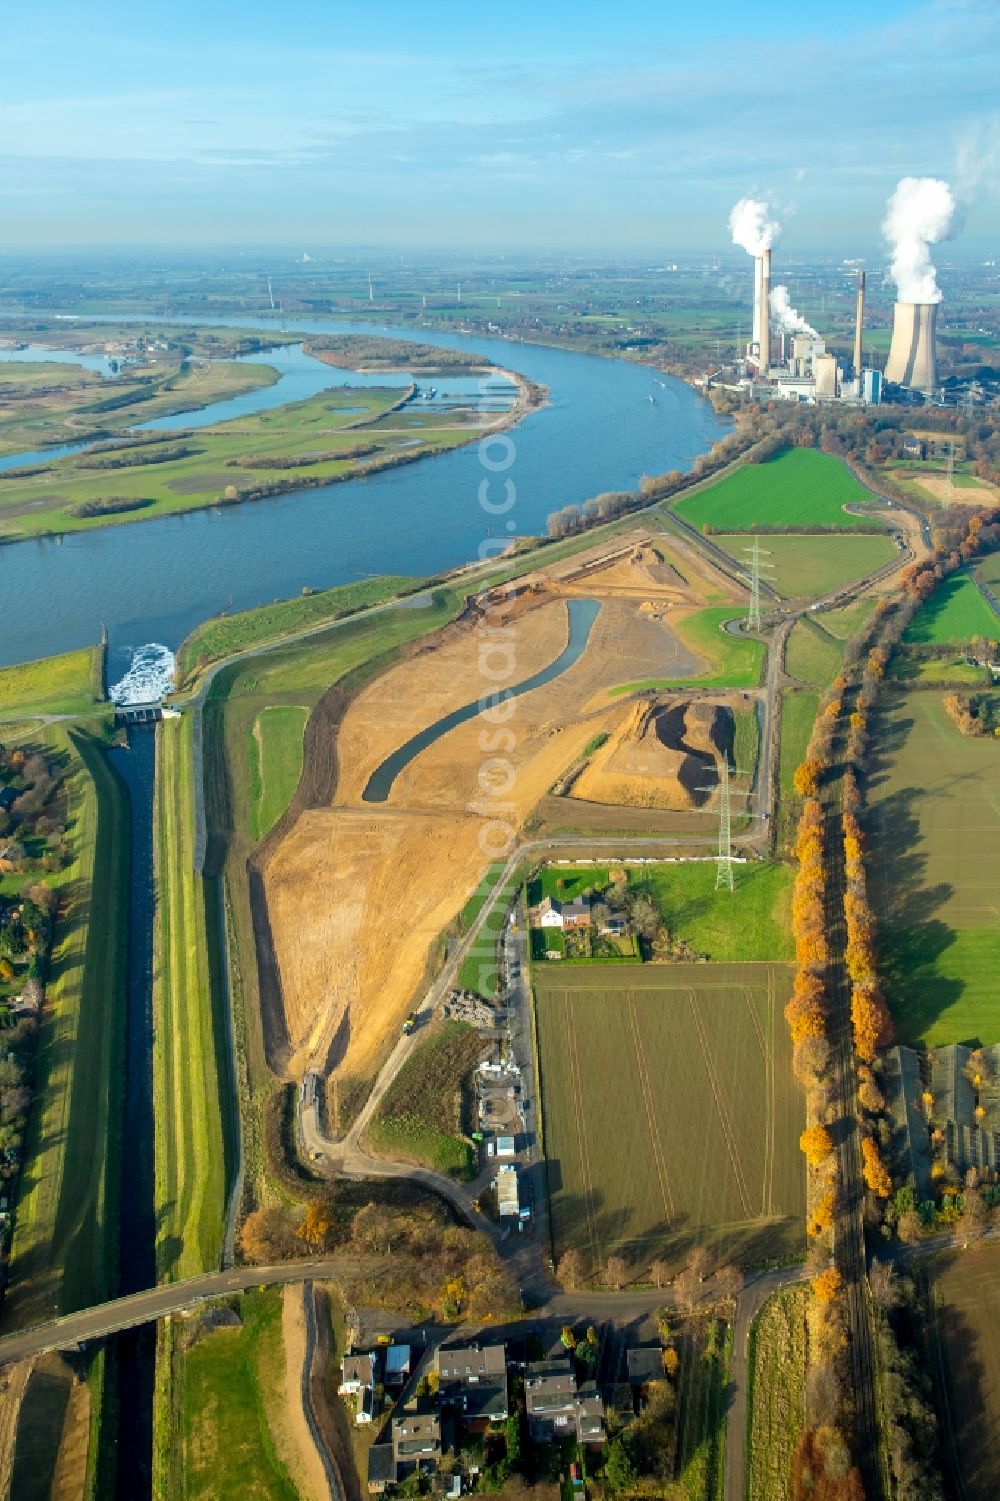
(561,127)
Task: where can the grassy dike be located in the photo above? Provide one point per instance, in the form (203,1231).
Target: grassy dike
(193,1150)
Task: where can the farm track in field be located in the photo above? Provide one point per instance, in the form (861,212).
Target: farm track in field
(659,1157)
(732,1145)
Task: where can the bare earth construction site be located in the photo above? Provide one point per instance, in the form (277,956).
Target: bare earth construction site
(358,893)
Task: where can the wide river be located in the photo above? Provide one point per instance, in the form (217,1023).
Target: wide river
(153,581)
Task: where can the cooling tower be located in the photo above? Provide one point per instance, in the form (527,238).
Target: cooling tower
(762,332)
(860,325)
(912,361)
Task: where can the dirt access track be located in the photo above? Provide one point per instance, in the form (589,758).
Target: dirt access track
(351,898)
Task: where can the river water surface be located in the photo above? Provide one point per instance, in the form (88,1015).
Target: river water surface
(155,580)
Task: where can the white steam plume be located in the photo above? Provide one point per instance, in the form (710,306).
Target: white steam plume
(751,227)
(787,318)
(919,215)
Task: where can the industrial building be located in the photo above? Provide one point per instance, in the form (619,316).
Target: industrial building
(798,366)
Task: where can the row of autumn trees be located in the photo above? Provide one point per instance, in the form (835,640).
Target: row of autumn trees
(821,1466)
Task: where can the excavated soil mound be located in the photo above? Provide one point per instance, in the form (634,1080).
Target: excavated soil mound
(659,757)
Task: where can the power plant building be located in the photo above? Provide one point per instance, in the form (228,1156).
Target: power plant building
(912,358)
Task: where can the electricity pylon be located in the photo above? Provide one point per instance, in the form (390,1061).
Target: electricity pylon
(950,484)
(756,554)
(726,791)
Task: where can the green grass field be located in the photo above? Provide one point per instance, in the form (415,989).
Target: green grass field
(751,923)
(419,1118)
(275,753)
(227,634)
(798,714)
(956,611)
(800,487)
(811,656)
(701,1409)
(190,1061)
(776,1407)
(989,568)
(315,439)
(690,1065)
(804,566)
(849,619)
(65,1249)
(966,1340)
(53,685)
(935,818)
(904,669)
(227,1400)
(732,661)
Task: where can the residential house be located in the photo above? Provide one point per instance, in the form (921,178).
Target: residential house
(564,915)
(359,1371)
(473,1380)
(614,926)
(381,1467)
(913,447)
(416,1441)
(557,1408)
(398,1364)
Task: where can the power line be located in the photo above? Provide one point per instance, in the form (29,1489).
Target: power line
(756,556)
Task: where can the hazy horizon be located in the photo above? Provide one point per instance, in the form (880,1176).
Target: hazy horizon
(547,130)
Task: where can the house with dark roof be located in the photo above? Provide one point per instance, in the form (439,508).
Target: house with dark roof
(473,1381)
(557,1408)
(416,1441)
(645,1364)
(551,913)
(359,1371)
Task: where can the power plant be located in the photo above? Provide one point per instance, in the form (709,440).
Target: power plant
(919,215)
(912,360)
(810,372)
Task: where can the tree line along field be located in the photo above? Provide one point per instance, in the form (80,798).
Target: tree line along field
(669,1112)
(934,821)
(64,1254)
(797,490)
(966,1343)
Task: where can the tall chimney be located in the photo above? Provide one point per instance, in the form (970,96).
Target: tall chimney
(756,300)
(912,360)
(860,325)
(762,333)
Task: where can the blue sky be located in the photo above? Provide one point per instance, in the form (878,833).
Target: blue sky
(579,126)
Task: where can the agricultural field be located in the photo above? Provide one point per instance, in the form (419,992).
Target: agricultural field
(799,488)
(697,1054)
(68,684)
(956,611)
(65,1252)
(424,1101)
(935,878)
(730,661)
(230,1436)
(803,566)
(966,1290)
(988,568)
(190,1054)
(811,656)
(777,1394)
(956,669)
(706,1348)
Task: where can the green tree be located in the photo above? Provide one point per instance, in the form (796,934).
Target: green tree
(620,1470)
